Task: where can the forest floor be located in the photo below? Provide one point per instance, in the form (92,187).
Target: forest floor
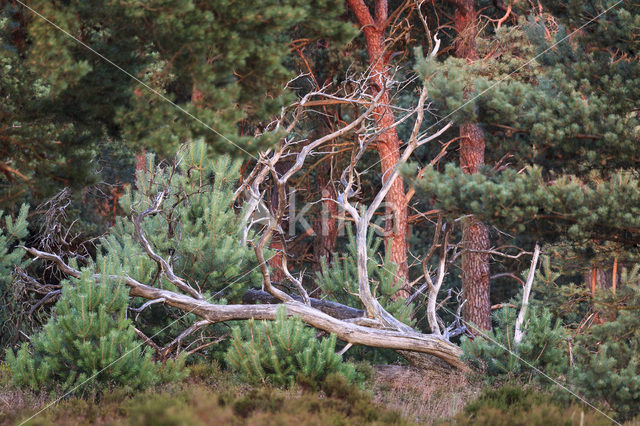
(393,395)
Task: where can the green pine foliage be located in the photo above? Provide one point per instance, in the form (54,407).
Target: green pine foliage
(198,228)
(607,356)
(223,62)
(48,142)
(582,210)
(285,350)
(563,110)
(566,300)
(339,281)
(89,343)
(543,346)
(12,232)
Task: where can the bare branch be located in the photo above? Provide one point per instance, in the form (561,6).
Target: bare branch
(297,282)
(519,333)
(350,333)
(145,306)
(166,268)
(434,288)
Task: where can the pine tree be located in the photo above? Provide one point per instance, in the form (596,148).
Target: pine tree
(561,130)
(543,347)
(67,114)
(89,342)
(221,61)
(11,235)
(607,356)
(43,148)
(284,350)
(198,230)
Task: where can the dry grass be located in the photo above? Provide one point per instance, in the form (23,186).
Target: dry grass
(208,397)
(422,396)
(15,401)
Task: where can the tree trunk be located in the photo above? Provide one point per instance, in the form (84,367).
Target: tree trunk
(345,330)
(475,235)
(388,143)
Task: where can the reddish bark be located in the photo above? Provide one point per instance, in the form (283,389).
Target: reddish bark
(388,143)
(476,284)
(141,160)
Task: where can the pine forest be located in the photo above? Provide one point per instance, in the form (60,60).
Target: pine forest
(323,212)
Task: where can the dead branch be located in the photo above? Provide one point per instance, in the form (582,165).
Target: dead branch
(519,333)
(344,330)
(145,306)
(434,288)
(163,264)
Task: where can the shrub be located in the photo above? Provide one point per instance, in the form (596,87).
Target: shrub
(88,340)
(607,356)
(541,347)
(280,351)
(11,234)
(513,405)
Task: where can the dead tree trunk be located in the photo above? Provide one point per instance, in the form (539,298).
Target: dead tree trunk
(348,331)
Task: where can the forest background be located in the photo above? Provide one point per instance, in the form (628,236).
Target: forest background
(450,184)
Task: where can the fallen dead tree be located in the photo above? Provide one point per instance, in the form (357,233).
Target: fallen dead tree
(349,331)
(374,326)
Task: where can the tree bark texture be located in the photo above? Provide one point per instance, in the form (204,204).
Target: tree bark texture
(476,284)
(388,143)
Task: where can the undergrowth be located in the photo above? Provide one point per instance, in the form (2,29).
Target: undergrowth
(209,396)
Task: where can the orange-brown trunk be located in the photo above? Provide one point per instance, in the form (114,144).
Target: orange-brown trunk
(388,143)
(476,284)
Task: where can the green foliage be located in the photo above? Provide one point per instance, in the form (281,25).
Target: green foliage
(12,231)
(339,281)
(281,351)
(607,356)
(514,405)
(197,229)
(89,343)
(567,116)
(542,347)
(567,301)
(49,139)
(523,202)
(220,61)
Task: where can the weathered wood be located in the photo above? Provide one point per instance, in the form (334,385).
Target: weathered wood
(336,310)
(344,330)
(519,332)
